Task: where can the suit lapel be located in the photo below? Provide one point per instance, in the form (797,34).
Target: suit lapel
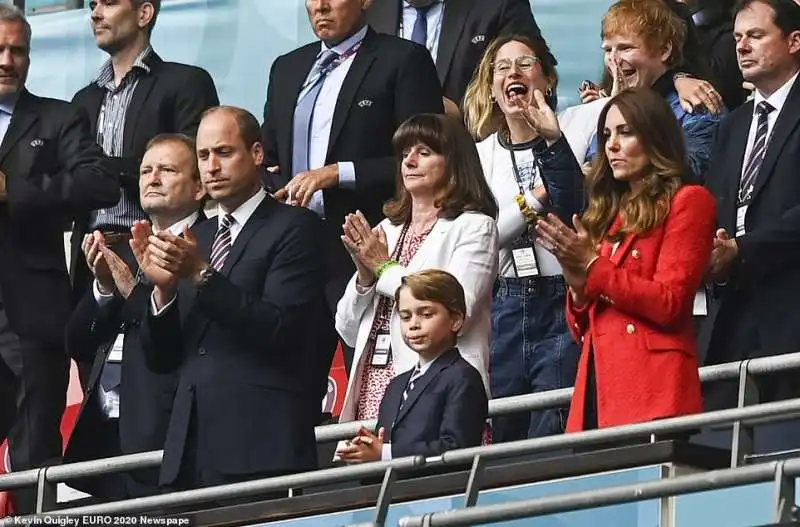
(392,399)
(423,382)
(454,17)
(289,89)
(248,229)
(355,76)
(784,126)
(22,120)
(94,101)
(140,94)
(734,164)
(433,242)
(384,16)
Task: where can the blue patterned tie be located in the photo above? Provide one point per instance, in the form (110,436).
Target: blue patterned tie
(410,386)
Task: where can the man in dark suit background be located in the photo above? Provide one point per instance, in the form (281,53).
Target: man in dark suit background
(456,32)
(135,96)
(755,266)
(238,311)
(50,170)
(332,109)
(126,408)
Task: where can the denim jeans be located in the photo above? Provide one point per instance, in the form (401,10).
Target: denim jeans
(532,351)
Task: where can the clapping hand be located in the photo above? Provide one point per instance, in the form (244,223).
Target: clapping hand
(539,116)
(120,272)
(367,246)
(573,248)
(96,261)
(363,448)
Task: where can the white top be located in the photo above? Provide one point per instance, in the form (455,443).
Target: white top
(579,125)
(467,248)
(499,172)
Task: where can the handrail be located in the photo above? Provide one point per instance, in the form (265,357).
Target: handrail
(767,412)
(716,479)
(531,402)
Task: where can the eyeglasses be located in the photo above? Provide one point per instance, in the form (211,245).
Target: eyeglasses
(524,64)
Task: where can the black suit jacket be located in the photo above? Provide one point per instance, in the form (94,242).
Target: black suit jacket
(145,397)
(446,410)
(54,170)
(245,347)
(389,80)
(170,99)
(468,26)
(767,272)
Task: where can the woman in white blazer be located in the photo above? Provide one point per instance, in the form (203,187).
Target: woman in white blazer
(442,218)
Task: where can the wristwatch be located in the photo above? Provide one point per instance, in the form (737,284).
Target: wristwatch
(205,276)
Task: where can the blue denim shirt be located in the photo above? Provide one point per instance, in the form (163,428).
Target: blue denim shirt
(699,129)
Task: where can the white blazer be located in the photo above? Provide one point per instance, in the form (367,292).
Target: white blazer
(467,248)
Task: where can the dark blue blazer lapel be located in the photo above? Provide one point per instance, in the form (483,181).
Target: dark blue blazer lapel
(442,363)
(248,229)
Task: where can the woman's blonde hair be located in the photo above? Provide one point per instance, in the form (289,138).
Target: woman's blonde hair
(650,118)
(481,113)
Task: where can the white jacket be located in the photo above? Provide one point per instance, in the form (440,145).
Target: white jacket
(467,248)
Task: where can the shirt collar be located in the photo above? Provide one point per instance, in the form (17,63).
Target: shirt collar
(106,73)
(245,210)
(665,84)
(176,229)
(777,99)
(347,43)
(7,106)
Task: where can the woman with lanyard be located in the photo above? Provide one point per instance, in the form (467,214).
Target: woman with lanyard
(531,169)
(443,217)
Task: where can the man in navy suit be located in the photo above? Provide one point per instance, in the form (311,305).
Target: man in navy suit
(238,314)
(439,405)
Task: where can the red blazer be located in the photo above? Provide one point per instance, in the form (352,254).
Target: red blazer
(638,321)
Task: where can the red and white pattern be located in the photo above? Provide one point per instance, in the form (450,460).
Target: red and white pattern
(374,380)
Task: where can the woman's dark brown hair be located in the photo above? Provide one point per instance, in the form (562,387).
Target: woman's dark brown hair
(465,188)
(650,118)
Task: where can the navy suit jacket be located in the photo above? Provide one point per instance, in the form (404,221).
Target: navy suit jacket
(446,410)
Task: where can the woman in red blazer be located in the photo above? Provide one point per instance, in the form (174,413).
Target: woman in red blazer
(633,264)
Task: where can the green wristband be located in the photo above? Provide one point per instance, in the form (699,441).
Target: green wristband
(384,266)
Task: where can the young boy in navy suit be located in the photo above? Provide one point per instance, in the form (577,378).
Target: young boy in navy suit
(440,404)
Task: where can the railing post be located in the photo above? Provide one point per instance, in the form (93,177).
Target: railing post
(742,434)
(46,493)
(474,481)
(384,497)
(783,496)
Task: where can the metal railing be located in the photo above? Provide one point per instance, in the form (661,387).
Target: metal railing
(45,479)
(781,472)
(769,412)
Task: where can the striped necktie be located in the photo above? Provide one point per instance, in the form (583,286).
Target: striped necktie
(222,243)
(410,386)
(756,158)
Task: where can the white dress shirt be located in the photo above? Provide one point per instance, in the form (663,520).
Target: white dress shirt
(777,101)
(435,15)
